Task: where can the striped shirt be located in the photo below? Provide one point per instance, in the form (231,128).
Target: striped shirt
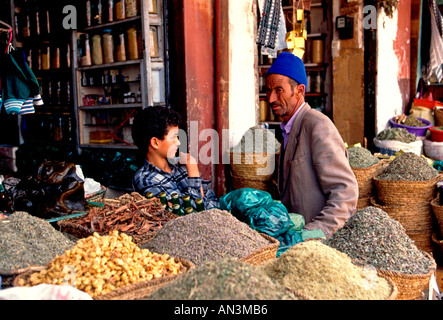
(150,178)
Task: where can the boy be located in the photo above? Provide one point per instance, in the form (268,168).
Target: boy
(155,133)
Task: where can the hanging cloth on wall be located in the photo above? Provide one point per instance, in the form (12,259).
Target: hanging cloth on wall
(20,89)
(436,48)
(272,25)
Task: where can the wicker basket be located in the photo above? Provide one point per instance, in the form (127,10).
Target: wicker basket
(138,290)
(415,218)
(253,170)
(393,192)
(438,213)
(410,286)
(363,202)
(264,254)
(364,177)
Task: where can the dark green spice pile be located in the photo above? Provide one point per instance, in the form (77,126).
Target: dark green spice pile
(26,240)
(412,121)
(374,238)
(398,134)
(361,157)
(226,279)
(206,236)
(409,166)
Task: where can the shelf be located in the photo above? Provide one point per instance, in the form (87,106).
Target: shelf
(111,106)
(315,94)
(111,65)
(110,24)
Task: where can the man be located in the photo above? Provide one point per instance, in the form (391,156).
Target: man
(314,177)
(155,133)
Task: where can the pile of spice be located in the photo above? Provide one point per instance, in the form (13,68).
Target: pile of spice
(398,134)
(257,139)
(206,236)
(26,240)
(321,272)
(374,238)
(413,121)
(226,279)
(104,263)
(361,157)
(409,166)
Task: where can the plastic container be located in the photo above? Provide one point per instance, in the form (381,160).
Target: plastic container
(418,131)
(436,135)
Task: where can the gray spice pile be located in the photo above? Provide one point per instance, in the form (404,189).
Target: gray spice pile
(398,134)
(409,166)
(206,236)
(374,238)
(225,279)
(256,139)
(26,241)
(361,157)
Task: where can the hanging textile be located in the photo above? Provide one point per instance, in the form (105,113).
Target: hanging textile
(20,90)
(435,71)
(272,27)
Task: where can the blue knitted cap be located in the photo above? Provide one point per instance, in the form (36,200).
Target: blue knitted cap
(289,65)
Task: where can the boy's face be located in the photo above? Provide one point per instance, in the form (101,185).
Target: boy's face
(169,145)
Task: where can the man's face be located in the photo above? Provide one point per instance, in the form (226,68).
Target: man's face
(282,98)
(169,145)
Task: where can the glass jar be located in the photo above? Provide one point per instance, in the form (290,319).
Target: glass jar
(120,13)
(97,52)
(121,48)
(85,55)
(108,47)
(132,43)
(46,58)
(131,8)
(56,58)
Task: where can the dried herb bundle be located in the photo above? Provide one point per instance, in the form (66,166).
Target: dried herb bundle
(409,166)
(206,236)
(361,157)
(226,279)
(321,272)
(398,134)
(27,241)
(374,238)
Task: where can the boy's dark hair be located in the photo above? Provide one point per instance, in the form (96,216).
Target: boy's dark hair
(153,122)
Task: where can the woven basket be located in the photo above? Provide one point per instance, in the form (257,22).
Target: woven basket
(438,213)
(415,218)
(97,196)
(138,290)
(253,170)
(410,286)
(363,203)
(364,177)
(393,192)
(264,254)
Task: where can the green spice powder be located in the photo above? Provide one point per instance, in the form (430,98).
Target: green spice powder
(226,279)
(321,272)
(361,157)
